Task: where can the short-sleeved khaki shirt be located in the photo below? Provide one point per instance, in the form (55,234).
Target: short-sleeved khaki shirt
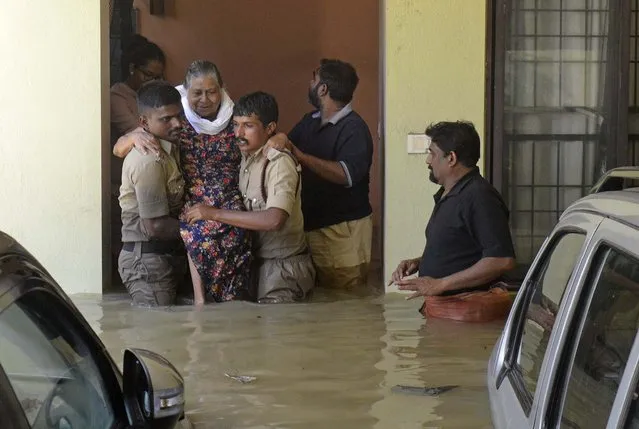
(152,187)
(283,191)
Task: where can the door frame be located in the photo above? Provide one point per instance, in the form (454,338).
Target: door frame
(378,133)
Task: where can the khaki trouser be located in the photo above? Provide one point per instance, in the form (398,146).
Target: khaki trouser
(283,280)
(342,253)
(152,279)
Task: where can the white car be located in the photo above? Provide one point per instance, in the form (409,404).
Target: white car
(569,353)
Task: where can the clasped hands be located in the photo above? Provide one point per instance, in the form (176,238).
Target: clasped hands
(421,286)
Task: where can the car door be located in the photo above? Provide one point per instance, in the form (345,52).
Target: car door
(594,382)
(58,374)
(526,345)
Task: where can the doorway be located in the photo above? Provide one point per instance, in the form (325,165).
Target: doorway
(280,43)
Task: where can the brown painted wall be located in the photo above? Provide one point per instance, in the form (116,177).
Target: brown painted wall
(273,45)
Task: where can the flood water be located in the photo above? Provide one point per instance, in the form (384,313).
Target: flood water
(328,364)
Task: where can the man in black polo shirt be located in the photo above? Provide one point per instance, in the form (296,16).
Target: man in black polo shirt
(335,148)
(468,242)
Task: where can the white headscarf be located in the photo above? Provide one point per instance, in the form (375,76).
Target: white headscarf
(204,126)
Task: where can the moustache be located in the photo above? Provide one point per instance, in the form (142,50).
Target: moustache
(241,142)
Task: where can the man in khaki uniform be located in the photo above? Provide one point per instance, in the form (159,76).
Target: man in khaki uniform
(152,260)
(283,270)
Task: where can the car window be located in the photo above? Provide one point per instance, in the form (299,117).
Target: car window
(618,184)
(50,367)
(605,333)
(543,302)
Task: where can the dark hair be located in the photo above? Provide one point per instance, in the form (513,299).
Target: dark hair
(340,79)
(460,137)
(202,68)
(140,51)
(156,94)
(260,104)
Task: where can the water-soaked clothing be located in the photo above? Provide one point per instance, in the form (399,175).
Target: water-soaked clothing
(154,278)
(152,187)
(282,269)
(337,217)
(220,252)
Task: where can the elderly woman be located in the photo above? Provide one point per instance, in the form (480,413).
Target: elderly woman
(219,254)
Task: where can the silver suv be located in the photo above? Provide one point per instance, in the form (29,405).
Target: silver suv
(569,354)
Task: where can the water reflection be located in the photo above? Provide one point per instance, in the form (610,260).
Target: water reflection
(327,364)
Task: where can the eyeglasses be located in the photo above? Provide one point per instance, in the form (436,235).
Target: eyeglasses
(149,75)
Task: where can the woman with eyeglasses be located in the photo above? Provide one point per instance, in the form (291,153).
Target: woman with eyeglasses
(144,61)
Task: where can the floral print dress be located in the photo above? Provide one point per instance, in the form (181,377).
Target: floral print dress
(220,252)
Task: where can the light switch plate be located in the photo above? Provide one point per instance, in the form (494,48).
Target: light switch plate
(417,143)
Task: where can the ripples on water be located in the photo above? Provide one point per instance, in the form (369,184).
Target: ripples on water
(327,364)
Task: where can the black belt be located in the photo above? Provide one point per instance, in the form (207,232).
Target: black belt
(160,246)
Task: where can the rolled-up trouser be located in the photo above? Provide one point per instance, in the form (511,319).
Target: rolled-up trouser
(283,280)
(152,279)
(342,253)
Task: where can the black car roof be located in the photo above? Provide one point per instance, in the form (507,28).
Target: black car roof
(16,266)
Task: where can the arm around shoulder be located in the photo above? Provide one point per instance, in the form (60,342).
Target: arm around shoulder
(138,138)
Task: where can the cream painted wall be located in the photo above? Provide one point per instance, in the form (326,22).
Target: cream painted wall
(434,53)
(51,132)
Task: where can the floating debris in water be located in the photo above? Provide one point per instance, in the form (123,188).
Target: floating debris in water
(422,391)
(244,379)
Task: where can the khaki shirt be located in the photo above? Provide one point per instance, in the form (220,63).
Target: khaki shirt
(281,181)
(151,187)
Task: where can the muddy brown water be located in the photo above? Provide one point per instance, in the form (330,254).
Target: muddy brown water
(332,363)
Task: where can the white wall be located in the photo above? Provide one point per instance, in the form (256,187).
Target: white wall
(51,104)
(435,52)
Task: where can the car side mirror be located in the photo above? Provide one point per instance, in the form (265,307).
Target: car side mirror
(153,390)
